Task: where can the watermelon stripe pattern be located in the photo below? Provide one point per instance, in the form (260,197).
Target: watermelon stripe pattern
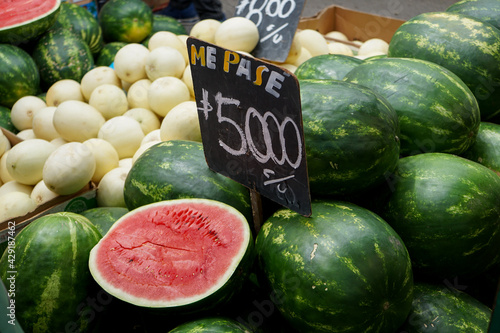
(466,46)
(485,10)
(437,112)
(486,148)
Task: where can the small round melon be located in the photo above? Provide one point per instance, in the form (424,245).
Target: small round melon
(42,194)
(181,123)
(26,160)
(148,120)
(106,157)
(130,61)
(43,124)
(188,80)
(97,76)
(338,35)
(109,99)
(237,33)
(313,41)
(168,38)
(58,142)
(5,143)
(110,189)
(295,49)
(77,121)
(205,30)
(164,61)
(303,56)
(339,48)
(124,133)
(15,186)
(4,173)
(142,149)
(69,168)
(125,163)
(151,136)
(137,94)
(15,204)
(165,93)
(64,90)
(26,134)
(23,110)
(373,46)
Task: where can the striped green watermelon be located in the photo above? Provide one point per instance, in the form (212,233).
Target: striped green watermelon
(178,169)
(80,21)
(437,112)
(60,54)
(441,308)
(182,256)
(211,325)
(446,209)
(48,262)
(326,66)
(351,136)
(486,149)
(343,269)
(485,10)
(104,217)
(107,54)
(24,20)
(167,23)
(19,75)
(129,21)
(5,120)
(467,46)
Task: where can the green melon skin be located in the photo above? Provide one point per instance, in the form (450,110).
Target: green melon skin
(80,21)
(443,309)
(177,169)
(104,217)
(437,112)
(486,149)
(51,275)
(167,23)
(446,209)
(326,66)
(60,54)
(5,120)
(467,46)
(107,54)
(120,18)
(19,75)
(29,31)
(485,10)
(351,136)
(211,325)
(343,269)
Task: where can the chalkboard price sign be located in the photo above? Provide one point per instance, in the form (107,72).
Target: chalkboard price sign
(277,21)
(251,123)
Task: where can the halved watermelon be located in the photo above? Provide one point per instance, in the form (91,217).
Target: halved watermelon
(183,255)
(24,20)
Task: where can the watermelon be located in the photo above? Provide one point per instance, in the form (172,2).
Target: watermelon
(437,112)
(343,269)
(104,217)
(485,10)
(467,46)
(22,21)
(167,23)
(446,209)
(211,325)
(441,308)
(5,120)
(486,149)
(184,255)
(19,75)
(80,21)
(107,54)
(178,169)
(326,66)
(351,136)
(129,21)
(50,271)
(60,54)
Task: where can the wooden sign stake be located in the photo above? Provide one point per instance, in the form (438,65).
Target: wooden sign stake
(256,210)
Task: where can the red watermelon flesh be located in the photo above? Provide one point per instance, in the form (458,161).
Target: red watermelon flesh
(171,253)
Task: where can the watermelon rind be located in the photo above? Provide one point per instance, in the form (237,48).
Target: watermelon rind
(220,292)
(343,269)
(437,112)
(31,29)
(52,251)
(445,208)
(106,56)
(486,148)
(326,66)
(60,54)
(443,308)
(465,45)
(485,10)
(104,217)
(211,325)
(19,75)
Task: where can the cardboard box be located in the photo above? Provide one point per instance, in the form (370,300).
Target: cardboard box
(354,24)
(76,203)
